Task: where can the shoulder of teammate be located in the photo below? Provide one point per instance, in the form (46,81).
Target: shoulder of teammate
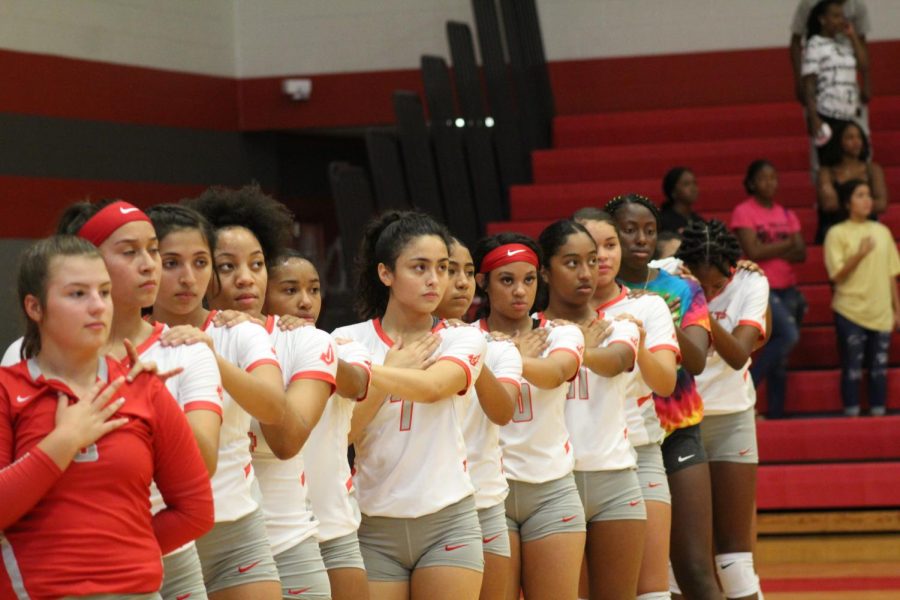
(565,338)
(465,346)
(253,346)
(503,359)
(314,355)
(354,353)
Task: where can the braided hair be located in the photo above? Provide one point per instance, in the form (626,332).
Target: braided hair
(709,243)
(619,201)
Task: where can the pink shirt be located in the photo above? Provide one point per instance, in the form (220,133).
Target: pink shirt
(771,224)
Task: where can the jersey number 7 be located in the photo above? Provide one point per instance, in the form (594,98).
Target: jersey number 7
(406,413)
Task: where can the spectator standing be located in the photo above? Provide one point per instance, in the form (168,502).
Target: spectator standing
(851,162)
(679,186)
(862,262)
(770,235)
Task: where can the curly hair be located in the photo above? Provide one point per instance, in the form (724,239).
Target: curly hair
(625,199)
(267,218)
(384,239)
(484,246)
(709,243)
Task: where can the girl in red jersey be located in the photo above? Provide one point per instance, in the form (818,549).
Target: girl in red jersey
(236,556)
(543,511)
(75,496)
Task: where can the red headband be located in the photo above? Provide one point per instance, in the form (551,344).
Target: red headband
(506,254)
(112,216)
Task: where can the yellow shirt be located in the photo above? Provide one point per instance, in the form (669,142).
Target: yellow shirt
(864,296)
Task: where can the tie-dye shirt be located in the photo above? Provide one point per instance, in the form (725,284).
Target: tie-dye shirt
(684,407)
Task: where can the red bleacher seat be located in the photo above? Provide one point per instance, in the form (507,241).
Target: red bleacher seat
(822,440)
(839,485)
(817,348)
(819,392)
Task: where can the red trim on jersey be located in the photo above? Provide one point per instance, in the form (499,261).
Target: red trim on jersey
(509,380)
(349,483)
(465,367)
(204,405)
(622,295)
(643,399)
(379,330)
(483,324)
(261,362)
(247,469)
(209,319)
(755,324)
(578,356)
(270,323)
(542,319)
(317,375)
(674,349)
(151,339)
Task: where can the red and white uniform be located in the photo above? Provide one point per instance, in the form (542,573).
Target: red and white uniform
(88,530)
(595,410)
(743,301)
(197,387)
(247,346)
(11,356)
(304,353)
(411,459)
(536,445)
(640,410)
(481,435)
(327,470)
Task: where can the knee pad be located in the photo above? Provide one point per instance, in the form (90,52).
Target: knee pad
(655,596)
(673,584)
(736,574)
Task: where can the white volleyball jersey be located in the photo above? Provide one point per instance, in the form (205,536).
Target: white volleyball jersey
(325,456)
(304,353)
(197,387)
(595,410)
(11,356)
(743,301)
(640,409)
(536,446)
(483,436)
(411,459)
(247,346)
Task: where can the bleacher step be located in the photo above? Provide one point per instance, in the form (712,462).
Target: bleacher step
(806,522)
(839,439)
(828,486)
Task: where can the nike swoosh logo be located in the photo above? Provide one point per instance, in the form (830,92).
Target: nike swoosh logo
(514,252)
(22,399)
(726,565)
(681,459)
(183,596)
(491,539)
(744,452)
(248,567)
(297,592)
(634,503)
(567,519)
(653,484)
(126,211)
(450,548)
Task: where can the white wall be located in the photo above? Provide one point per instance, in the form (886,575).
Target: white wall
(181,35)
(257,38)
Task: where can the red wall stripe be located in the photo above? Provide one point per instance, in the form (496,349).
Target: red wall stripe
(81,89)
(32,205)
(53,86)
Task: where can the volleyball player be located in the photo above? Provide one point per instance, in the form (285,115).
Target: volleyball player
(419,534)
(655,373)
(75,464)
(687,466)
(481,414)
(543,509)
(738,303)
(235,556)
